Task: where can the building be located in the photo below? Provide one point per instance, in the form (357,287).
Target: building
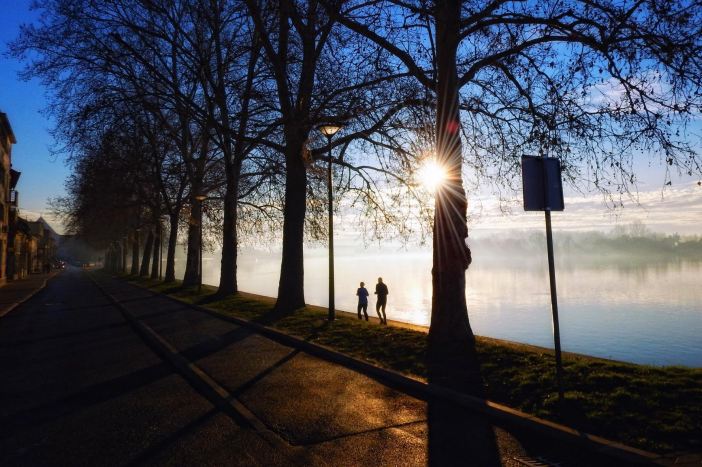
(21,250)
(26,247)
(18,236)
(46,240)
(7,139)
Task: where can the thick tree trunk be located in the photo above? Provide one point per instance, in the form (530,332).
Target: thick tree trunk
(135,254)
(146,256)
(109,263)
(125,252)
(119,256)
(456,436)
(451,341)
(113,258)
(291,290)
(227,279)
(169,276)
(192,262)
(156,261)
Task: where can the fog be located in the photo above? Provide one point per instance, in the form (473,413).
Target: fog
(628,294)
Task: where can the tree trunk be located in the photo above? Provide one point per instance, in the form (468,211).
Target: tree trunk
(109,264)
(146,256)
(191,276)
(456,436)
(135,254)
(125,252)
(451,341)
(157,252)
(118,259)
(169,276)
(227,278)
(291,290)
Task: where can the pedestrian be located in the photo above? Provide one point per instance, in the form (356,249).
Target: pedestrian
(381,290)
(362,293)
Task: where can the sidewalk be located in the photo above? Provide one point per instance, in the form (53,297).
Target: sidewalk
(321,410)
(17,292)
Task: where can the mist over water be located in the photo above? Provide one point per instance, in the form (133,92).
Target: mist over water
(636,305)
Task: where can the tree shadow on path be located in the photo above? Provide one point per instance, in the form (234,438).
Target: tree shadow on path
(457,435)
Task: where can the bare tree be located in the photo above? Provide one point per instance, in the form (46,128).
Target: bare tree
(589,82)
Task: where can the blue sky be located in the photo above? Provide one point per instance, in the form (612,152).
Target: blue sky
(42,175)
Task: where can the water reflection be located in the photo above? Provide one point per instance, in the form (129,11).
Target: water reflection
(643,311)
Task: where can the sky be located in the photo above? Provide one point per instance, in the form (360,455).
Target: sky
(42,174)
(676,209)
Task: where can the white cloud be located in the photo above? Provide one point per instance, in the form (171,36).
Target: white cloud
(677,209)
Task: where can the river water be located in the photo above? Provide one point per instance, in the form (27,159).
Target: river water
(648,313)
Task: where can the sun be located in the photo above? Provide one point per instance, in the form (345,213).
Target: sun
(432,175)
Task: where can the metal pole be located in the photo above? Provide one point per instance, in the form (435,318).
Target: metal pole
(160,250)
(199,275)
(331,233)
(554,305)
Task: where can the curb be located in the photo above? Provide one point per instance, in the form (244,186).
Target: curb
(426,391)
(26,298)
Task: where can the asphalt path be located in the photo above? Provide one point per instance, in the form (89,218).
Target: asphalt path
(94,371)
(79,387)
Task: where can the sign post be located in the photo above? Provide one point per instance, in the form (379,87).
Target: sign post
(543,191)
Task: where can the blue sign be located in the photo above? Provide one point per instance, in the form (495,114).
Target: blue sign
(541,182)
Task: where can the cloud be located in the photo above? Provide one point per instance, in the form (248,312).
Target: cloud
(675,210)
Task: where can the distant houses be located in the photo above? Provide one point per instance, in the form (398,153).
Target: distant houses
(26,247)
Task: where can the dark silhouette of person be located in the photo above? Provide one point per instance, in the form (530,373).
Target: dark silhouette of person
(362,293)
(381,290)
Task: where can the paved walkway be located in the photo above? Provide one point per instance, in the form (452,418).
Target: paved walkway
(16,292)
(105,373)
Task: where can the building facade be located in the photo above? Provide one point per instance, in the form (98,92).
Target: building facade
(7,139)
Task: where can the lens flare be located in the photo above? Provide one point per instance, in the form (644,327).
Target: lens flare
(432,175)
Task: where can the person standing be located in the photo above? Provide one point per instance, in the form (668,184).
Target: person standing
(381,290)
(362,294)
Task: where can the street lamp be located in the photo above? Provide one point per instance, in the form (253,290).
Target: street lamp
(200,199)
(329,130)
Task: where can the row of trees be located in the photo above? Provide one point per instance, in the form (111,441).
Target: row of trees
(160,102)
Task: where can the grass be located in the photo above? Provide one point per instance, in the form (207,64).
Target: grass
(653,408)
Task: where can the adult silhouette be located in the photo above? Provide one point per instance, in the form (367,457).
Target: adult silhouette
(381,290)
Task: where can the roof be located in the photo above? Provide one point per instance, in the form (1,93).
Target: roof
(7,128)
(14,178)
(36,227)
(23,226)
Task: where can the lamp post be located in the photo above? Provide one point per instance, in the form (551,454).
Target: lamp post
(160,249)
(200,199)
(329,130)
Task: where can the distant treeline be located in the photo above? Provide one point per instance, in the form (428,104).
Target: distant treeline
(628,241)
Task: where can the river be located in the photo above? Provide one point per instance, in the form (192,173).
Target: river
(649,313)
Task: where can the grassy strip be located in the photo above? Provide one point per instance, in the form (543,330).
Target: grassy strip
(653,408)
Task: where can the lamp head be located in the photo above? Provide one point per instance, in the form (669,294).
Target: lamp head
(200,198)
(330,129)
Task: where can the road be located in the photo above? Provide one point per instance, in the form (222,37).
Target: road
(105,373)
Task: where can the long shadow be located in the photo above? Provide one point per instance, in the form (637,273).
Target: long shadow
(215,344)
(82,400)
(24,342)
(157,448)
(250,383)
(170,290)
(138,299)
(267,318)
(458,436)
